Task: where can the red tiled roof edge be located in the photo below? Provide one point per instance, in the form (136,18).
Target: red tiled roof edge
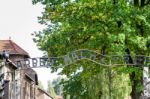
(14,47)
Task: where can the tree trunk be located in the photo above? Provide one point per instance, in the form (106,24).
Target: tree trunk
(135,94)
(136,2)
(142,3)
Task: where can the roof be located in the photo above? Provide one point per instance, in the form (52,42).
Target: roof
(12,48)
(45,92)
(12,64)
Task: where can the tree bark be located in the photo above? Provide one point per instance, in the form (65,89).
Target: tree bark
(135,94)
(136,2)
(142,3)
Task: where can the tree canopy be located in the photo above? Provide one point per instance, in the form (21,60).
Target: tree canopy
(51,90)
(40,85)
(117,27)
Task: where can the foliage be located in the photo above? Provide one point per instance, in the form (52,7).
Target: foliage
(94,83)
(56,85)
(51,91)
(107,26)
(40,85)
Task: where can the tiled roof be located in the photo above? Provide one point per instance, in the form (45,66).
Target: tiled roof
(11,47)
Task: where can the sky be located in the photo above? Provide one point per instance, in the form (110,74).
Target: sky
(18,19)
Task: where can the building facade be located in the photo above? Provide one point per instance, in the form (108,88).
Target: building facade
(16,83)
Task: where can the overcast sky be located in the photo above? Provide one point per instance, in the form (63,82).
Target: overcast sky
(18,19)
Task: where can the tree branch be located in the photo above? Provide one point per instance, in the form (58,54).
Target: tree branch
(143,3)
(85,39)
(147,2)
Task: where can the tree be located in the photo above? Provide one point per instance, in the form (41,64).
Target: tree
(57,86)
(51,91)
(117,27)
(40,85)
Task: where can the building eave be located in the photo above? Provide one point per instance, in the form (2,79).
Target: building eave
(45,92)
(11,64)
(28,76)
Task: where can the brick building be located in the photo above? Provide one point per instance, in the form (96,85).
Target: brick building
(7,75)
(18,83)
